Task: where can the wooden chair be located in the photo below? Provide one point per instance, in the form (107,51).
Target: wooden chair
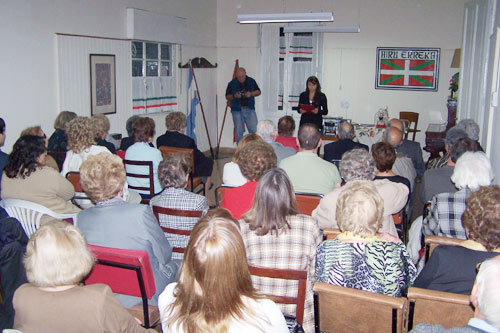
(194,182)
(412,117)
(286,274)
(431,242)
(401,221)
(157,210)
(127,272)
(149,175)
(341,309)
(219,194)
(329,233)
(438,307)
(59,156)
(74,178)
(307,202)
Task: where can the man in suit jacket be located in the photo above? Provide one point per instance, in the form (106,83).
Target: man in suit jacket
(335,150)
(411,149)
(268,132)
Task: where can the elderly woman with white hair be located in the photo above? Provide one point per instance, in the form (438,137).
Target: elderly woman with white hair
(358,164)
(360,257)
(472,170)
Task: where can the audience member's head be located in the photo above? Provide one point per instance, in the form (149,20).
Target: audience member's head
(286,126)
(27,155)
(452,136)
(102,176)
(266,130)
(357,164)
(473,170)
(481,218)
(101,125)
(128,125)
(255,159)
(214,277)
(393,136)
(486,292)
(144,129)
(175,121)
(346,131)
(274,201)
(470,127)
(2,132)
(461,146)
(360,208)
(63,118)
(384,156)
(397,123)
(80,134)
(35,130)
(174,170)
(243,142)
(309,137)
(57,255)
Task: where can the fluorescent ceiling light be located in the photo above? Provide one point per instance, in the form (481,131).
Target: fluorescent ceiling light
(285,17)
(322,28)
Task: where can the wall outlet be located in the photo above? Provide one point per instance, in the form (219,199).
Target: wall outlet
(344,104)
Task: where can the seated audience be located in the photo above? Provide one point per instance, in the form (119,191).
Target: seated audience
(358,257)
(26,177)
(271,230)
(453,268)
(472,129)
(409,148)
(57,260)
(214,292)
(129,140)
(472,171)
(37,130)
(286,127)
(101,126)
(484,298)
(307,171)
(358,164)
(231,175)
(255,159)
(173,173)
(144,130)
(58,141)
(335,150)
(403,165)
(119,224)
(175,137)
(438,180)
(267,131)
(385,155)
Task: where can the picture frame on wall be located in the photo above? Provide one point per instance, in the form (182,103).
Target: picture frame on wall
(407,68)
(102,84)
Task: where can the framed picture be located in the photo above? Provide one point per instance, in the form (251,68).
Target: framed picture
(407,68)
(102,84)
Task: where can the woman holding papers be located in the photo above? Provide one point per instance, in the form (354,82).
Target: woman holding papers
(312,103)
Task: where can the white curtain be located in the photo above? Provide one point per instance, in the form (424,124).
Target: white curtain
(154,94)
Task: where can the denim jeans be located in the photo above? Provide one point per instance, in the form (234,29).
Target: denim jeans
(240,118)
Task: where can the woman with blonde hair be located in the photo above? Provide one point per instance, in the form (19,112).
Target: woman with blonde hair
(231,175)
(59,140)
(272,230)
(359,257)
(57,260)
(214,292)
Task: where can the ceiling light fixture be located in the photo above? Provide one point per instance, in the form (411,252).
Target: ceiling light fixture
(285,17)
(323,28)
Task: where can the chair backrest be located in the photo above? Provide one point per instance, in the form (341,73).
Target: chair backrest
(286,274)
(307,202)
(29,214)
(438,307)
(126,272)
(149,176)
(74,178)
(342,309)
(121,153)
(431,242)
(219,194)
(412,117)
(329,233)
(59,156)
(157,210)
(166,150)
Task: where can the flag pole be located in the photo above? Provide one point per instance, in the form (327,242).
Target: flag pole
(202,111)
(236,66)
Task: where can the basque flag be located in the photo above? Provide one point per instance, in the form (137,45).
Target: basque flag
(405,72)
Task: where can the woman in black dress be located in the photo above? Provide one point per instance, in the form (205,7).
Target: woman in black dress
(313,96)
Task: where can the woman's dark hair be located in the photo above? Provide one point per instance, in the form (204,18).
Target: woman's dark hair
(384,155)
(314,80)
(274,201)
(23,158)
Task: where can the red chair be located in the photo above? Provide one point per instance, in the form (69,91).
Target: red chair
(127,272)
(307,202)
(121,154)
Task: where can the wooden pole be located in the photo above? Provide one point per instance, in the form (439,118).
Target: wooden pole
(236,66)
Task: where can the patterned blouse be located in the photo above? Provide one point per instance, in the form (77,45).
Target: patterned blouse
(376,266)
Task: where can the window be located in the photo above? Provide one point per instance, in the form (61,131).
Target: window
(153,77)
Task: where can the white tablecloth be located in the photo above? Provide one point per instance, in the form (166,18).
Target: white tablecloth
(368,134)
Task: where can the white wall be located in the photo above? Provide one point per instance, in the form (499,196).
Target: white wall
(29,63)
(350,59)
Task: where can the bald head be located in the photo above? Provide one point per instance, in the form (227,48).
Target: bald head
(393,136)
(241,74)
(309,137)
(396,123)
(346,131)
